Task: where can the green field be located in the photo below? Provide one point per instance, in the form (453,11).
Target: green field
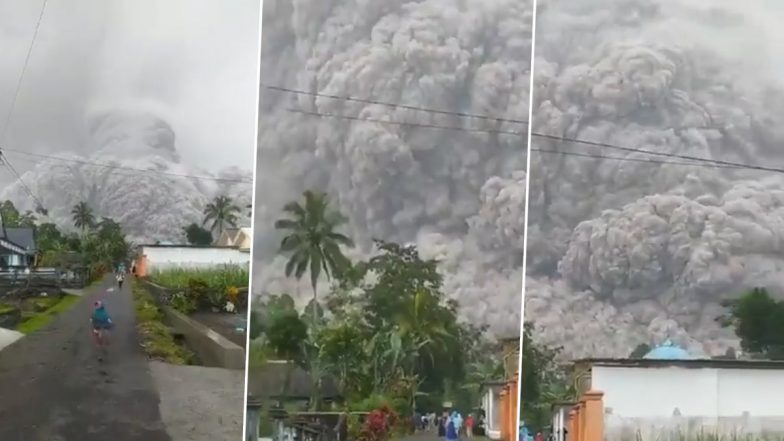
(38,320)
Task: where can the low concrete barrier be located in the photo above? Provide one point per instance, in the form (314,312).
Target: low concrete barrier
(212,349)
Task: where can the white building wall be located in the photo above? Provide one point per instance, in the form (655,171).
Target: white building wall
(162,258)
(649,403)
(491,403)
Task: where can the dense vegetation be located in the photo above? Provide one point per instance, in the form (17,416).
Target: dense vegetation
(386,331)
(156,339)
(97,244)
(205,289)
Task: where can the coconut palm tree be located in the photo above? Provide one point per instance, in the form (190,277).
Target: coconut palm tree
(83,217)
(221,212)
(312,241)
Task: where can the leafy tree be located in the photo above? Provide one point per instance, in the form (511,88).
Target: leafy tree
(82,216)
(286,335)
(640,351)
(48,237)
(416,343)
(311,239)
(758,320)
(196,235)
(221,212)
(342,348)
(543,381)
(12,218)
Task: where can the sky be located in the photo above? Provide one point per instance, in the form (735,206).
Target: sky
(194,61)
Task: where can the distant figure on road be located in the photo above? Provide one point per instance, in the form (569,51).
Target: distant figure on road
(120,279)
(101,322)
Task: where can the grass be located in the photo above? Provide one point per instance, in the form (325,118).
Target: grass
(220,278)
(38,320)
(156,339)
(7,307)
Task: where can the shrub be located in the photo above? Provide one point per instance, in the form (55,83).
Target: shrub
(217,299)
(156,339)
(199,292)
(183,302)
(378,425)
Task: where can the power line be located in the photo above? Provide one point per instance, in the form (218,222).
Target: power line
(627,159)
(22,74)
(406,124)
(730,164)
(13,171)
(133,169)
(715,163)
(395,105)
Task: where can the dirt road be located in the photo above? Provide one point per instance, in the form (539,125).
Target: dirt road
(54,388)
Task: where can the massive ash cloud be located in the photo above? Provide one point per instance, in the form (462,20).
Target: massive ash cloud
(152,205)
(459,195)
(622,253)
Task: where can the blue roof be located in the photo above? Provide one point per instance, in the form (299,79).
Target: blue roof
(668,351)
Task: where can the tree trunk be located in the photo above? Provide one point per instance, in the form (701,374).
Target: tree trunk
(314,367)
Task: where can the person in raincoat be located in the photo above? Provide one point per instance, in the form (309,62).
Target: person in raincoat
(458,421)
(451,428)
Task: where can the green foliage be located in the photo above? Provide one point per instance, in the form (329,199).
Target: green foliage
(183,302)
(758,320)
(218,279)
(196,235)
(341,347)
(386,330)
(220,213)
(39,320)
(286,334)
(543,381)
(311,238)
(83,216)
(202,289)
(258,354)
(157,340)
(12,218)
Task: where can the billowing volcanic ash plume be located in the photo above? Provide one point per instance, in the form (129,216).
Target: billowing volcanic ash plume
(152,205)
(621,252)
(458,194)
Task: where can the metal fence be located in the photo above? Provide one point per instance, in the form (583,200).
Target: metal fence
(43,278)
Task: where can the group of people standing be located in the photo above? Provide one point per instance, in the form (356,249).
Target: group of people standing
(450,425)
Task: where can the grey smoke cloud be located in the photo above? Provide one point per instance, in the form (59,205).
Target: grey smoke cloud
(162,86)
(623,253)
(198,60)
(458,195)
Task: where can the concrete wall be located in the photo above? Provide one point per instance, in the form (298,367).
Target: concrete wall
(162,258)
(212,349)
(654,402)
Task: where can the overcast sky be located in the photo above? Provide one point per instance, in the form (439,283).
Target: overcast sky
(195,61)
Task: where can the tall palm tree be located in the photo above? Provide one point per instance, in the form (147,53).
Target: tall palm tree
(221,212)
(312,241)
(83,217)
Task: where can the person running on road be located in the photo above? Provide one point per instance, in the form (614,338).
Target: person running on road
(120,279)
(101,322)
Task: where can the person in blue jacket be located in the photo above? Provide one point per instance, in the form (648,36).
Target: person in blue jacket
(101,322)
